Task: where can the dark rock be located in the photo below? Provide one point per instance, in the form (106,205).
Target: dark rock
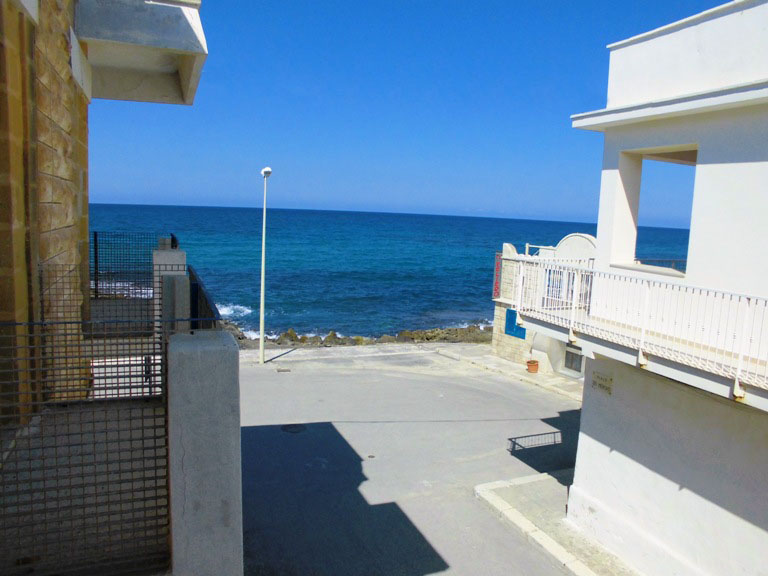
(405,336)
(332,339)
(289,337)
(233,329)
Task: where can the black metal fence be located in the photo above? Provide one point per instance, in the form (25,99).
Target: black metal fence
(202,307)
(121,264)
(83,416)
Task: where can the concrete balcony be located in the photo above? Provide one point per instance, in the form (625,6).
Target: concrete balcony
(714,340)
(142,50)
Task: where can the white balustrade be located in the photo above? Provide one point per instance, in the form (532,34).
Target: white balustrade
(717,332)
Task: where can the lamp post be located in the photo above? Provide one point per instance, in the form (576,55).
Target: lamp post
(266,173)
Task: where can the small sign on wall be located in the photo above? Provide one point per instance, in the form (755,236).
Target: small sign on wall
(510,325)
(497,277)
(603,382)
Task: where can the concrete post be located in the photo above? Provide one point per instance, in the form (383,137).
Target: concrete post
(176,303)
(619,205)
(204,455)
(165,262)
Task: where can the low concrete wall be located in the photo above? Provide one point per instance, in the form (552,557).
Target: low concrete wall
(204,455)
(669,478)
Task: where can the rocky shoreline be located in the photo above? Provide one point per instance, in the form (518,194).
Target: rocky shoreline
(475,334)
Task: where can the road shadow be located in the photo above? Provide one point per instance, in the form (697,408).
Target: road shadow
(303,514)
(550,451)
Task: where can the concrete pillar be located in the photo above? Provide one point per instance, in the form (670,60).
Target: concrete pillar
(175,303)
(165,262)
(204,455)
(619,204)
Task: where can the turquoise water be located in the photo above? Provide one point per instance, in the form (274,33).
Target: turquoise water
(357,273)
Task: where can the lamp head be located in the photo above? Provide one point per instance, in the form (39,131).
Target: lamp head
(266,172)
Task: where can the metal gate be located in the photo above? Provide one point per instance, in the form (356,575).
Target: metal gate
(83,429)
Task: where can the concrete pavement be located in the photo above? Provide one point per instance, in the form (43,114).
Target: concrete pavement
(363,461)
(536,506)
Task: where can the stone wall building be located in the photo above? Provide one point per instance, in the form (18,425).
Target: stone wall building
(55,55)
(92,427)
(518,343)
(44,140)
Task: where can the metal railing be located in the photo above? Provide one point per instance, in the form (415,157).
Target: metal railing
(202,306)
(124,281)
(83,428)
(121,265)
(714,331)
(506,276)
(83,416)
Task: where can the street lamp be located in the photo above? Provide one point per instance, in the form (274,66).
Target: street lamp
(266,172)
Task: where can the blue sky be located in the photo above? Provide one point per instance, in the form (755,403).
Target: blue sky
(439,107)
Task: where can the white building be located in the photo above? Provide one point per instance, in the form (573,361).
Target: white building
(672,463)
(512,340)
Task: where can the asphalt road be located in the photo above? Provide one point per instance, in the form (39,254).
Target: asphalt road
(362,461)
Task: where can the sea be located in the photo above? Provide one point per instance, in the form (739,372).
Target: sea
(358,273)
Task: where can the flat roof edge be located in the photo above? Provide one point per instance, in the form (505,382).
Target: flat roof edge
(712,13)
(735,97)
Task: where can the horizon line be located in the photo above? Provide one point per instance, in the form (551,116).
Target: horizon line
(343,211)
(374,212)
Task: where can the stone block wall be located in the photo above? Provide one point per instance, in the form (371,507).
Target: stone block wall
(44,160)
(43,179)
(505,346)
(62,152)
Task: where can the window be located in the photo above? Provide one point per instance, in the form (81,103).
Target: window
(664,211)
(574,360)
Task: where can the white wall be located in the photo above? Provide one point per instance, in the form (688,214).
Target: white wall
(669,478)
(204,454)
(710,52)
(730,202)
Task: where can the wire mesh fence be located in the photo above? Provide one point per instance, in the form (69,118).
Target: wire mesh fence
(83,477)
(83,417)
(121,264)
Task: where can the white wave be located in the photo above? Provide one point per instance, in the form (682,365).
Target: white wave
(233,310)
(254,335)
(123,289)
(484,325)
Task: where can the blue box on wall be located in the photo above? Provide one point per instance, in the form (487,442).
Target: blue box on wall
(510,326)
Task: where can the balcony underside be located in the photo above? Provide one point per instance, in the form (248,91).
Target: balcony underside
(716,341)
(142,51)
(689,363)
